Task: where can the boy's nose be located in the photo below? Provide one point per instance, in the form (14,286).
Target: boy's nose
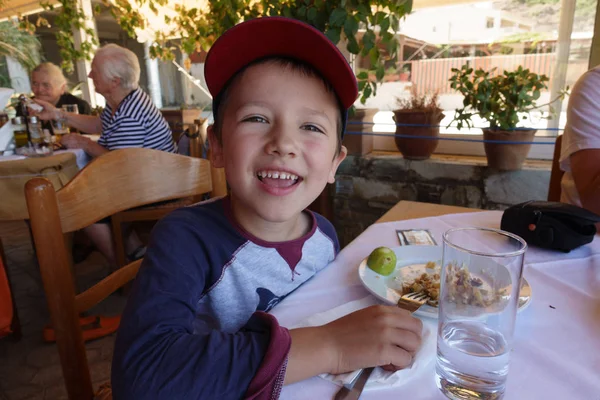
(281,143)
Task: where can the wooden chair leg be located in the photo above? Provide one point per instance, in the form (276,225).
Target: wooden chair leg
(15,325)
(117,230)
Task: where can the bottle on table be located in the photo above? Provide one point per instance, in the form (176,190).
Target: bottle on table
(19,131)
(35,130)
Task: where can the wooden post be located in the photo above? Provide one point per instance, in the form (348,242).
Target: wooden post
(565,28)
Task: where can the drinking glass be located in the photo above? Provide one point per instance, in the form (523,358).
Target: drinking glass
(481,279)
(72,108)
(60,128)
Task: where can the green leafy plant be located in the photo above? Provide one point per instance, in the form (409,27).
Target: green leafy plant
(498,99)
(366,27)
(70,16)
(19,44)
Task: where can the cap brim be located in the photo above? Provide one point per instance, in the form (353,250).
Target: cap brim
(278,36)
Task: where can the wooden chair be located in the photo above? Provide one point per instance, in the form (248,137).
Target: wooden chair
(116,181)
(157,211)
(556,174)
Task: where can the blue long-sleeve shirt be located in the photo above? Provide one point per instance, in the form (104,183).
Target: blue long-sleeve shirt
(195,325)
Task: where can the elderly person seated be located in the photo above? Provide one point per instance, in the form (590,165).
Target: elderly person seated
(49,84)
(581,145)
(130,119)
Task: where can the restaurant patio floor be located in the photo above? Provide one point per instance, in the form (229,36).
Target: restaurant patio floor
(30,368)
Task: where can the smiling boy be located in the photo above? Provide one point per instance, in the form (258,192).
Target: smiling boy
(196,324)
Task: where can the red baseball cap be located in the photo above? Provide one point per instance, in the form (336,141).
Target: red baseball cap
(278,36)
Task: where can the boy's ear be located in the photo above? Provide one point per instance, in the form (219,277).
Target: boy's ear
(216,149)
(336,163)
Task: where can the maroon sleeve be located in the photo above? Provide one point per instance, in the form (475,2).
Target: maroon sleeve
(269,378)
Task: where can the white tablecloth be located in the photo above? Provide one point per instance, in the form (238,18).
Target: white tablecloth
(556,352)
(82,158)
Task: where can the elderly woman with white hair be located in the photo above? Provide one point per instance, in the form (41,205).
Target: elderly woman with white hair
(130,119)
(49,84)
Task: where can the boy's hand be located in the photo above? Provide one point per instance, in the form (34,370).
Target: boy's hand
(375,336)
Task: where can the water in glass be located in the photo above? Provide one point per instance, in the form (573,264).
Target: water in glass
(472,361)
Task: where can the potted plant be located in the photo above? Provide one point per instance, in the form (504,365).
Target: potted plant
(418,116)
(503,101)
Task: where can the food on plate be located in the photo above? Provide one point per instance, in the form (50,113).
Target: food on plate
(465,289)
(382,260)
(428,283)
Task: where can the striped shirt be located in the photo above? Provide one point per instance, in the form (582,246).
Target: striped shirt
(136,123)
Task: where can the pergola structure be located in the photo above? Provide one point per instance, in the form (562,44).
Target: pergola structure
(24,7)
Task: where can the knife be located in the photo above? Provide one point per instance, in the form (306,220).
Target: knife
(354,393)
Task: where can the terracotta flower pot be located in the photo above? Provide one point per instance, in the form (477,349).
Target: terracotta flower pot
(361,121)
(509,156)
(423,126)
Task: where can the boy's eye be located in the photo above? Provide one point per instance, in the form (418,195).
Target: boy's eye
(313,128)
(255,118)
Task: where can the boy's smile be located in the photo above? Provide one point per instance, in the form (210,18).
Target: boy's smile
(279,141)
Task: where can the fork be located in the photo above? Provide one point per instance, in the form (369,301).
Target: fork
(412,301)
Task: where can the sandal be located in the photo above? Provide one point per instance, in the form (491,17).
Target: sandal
(138,253)
(92,327)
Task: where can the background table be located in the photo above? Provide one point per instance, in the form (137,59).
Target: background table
(557,338)
(15,171)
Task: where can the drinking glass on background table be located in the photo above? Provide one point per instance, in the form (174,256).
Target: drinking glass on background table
(481,279)
(72,108)
(60,128)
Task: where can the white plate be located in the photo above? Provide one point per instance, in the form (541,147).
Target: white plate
(411,264)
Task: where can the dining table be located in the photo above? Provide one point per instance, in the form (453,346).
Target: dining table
(556,347)
(15,170)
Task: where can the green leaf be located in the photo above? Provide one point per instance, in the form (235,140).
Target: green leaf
(311,15)
(380,72)
(351,27)
(368,41)
(385,24)
(362,75)
(334,34)
(338,17)
(353,46)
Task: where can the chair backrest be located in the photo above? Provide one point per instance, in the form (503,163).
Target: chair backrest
(556,174)
(113,182)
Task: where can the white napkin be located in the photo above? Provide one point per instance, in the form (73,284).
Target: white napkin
(379,378)
(6,132)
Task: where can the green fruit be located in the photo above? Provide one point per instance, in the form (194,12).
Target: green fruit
(382,260)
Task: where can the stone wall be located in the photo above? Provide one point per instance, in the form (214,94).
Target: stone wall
(367,186)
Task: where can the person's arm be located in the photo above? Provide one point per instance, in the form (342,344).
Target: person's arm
(77,141)
(585,169)
(86,123)
(582,138)
(375,336)
(162,352)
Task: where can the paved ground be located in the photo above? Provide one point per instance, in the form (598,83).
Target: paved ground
(30,368)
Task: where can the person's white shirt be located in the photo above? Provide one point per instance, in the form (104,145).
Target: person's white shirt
(582,130)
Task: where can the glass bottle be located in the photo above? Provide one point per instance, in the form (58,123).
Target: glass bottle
(35,130)
(19,131)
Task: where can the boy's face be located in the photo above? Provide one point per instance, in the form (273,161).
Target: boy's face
(280,123)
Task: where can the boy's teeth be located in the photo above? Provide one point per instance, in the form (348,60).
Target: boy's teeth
(276,175)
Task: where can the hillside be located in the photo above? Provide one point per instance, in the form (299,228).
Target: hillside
(547,13)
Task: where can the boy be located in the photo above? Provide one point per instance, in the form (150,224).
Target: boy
(196,325)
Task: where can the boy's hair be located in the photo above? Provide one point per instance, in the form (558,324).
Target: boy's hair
(303,68)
